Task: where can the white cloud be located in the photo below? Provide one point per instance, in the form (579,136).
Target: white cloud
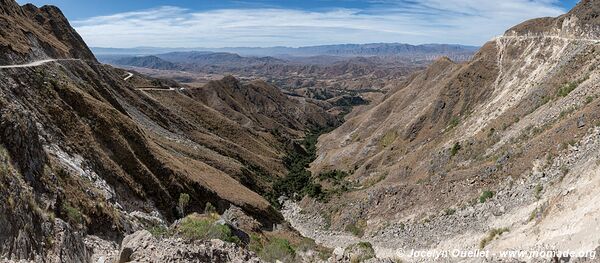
(428,21)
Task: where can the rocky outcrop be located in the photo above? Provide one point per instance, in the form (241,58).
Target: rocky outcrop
(581,22)
(143,247)
(29,33)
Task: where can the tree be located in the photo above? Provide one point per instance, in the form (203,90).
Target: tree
(184,200)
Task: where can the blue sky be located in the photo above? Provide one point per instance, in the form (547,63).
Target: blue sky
(226,23)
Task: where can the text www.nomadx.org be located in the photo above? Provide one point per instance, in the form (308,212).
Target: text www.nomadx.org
(531,254)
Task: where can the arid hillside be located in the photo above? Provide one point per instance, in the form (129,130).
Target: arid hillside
(90,153)
(505,140)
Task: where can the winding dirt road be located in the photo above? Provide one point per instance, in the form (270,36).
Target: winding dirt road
(36,63)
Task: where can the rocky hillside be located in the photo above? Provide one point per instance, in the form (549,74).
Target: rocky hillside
(463,151)
(90,153)
(29,33)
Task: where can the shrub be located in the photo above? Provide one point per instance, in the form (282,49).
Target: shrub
(485,195)
(564,170)
(209,208)
(534,214)
(256,243)
(184,200)
(537,191)
(567,88)
(278,249)
(327,219)
(453,122)
(589,99)
(335,176)
(358,228)
(449,211)
(455,148)
(73,214)
(360,252)
(158,231)
(388,138)
(316,191)
(196,228)
(492,234)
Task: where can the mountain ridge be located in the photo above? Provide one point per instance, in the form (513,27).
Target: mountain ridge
(372,49)
(38,33)
(90,153)
(514,125)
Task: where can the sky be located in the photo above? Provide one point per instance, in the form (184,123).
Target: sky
(265,23)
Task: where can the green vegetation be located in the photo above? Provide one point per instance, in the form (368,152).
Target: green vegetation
(335,176)
(566,89)
(307,244)
(566,112)
(534,214)
(197,228)
(455,148)
(299,181)
(537,213)
(492,234)
(537,191)
(280,249)
(357,228)
(209,208)
(388,138)
(4,162)
(255,244)
(327,218)
(589,99)
(73,214)
(449,211)
(485,195)
(158,231)
(277,249)
(184,200)
(360,252)
(453,122)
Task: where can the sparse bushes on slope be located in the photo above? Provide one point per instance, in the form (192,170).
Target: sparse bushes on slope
(335,176)
(357,228)
(73,214)
(199,228)
(184,200)
(492,234)
(537,191)
(567,88)
(388,138)
(453,122)
(485,195)
(360,252)
(455,148)
(277,249)
(158,231)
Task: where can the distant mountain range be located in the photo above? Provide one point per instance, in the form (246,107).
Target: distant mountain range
(344,50)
